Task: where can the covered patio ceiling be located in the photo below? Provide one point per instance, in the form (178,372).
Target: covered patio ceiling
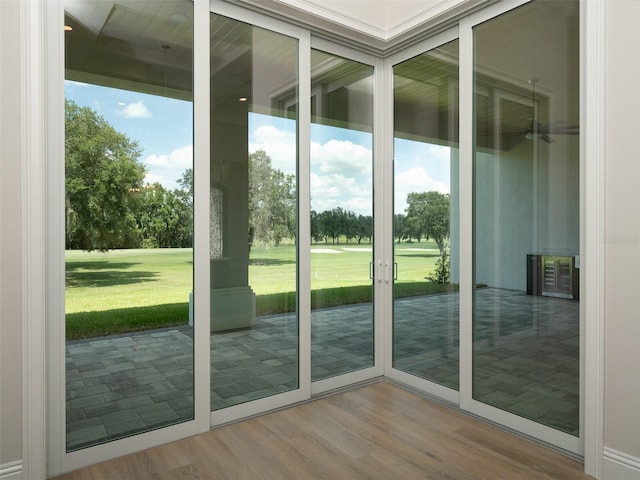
(146,46)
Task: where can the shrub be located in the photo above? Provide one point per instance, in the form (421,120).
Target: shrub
(442,270)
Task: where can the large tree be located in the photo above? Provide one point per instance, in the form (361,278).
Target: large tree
(428,213)
(185,192)
(103,177)
(364,227)
(399,226)
(272,201)
(164,219)
(332,224)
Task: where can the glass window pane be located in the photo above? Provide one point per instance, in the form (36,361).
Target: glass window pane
(128,207)
(527,213)
(341,215)
(253,215)
(426,299)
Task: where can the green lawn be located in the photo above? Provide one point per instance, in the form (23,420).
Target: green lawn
(126,290)
(127,278)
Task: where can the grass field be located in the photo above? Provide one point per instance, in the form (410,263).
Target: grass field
(126,290)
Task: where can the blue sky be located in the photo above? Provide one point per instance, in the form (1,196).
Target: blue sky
(162,126)
(341,159)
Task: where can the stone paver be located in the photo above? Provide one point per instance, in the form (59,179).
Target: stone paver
(526,361)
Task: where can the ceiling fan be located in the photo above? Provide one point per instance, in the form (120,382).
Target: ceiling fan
(544,132)
(513,130)
(537,131)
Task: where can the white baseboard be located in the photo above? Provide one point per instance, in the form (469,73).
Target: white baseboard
(620,466)
(11,471)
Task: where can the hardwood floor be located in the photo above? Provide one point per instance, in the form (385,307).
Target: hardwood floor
(378,431)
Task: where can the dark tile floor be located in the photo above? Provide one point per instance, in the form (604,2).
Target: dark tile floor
(526,351)
(526,361)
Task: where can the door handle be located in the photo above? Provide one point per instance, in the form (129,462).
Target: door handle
(387,271)
(372,275)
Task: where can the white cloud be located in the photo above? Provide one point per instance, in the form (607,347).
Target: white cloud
(167,169)
(280,145)
(415,179)
(267,134)
(341,156)
(340,169)
(341,176)
(135,110)
(152,177)
(335,156)
(181,158)
(332,191)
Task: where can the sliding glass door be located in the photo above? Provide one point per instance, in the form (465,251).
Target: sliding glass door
(496,331)
(341,217)
(471,140)
(526,320)
(425,216)
(128,198)
(253,227)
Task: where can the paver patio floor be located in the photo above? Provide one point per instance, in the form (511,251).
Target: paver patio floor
(526,352)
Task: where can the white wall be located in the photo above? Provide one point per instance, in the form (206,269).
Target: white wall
(622,210)
(10,239)
(504,219)
(558,207)
(525,206)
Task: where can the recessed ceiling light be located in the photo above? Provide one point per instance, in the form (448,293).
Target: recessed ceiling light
(68,28)
(243,99)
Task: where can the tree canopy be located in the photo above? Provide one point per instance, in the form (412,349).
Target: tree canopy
(164,218)
(102,178)
(106,204)
(428,215)
(272,201)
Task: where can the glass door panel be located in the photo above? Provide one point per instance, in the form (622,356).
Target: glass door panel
(426,299)
(129,220)
(526,322)
(253,213)
(341,215)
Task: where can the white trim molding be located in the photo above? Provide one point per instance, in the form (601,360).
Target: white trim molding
(592,300)
(620,466)
(11,471)
(33,209)
(329,21)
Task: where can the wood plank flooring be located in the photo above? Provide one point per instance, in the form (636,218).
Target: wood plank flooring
(378,431)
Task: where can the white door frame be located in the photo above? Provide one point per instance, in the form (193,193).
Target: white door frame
(39,127)
(448,394)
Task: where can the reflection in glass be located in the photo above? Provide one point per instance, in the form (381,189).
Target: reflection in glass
(128,191)
(526,216)
(341,215)
(426,300)
(253,224)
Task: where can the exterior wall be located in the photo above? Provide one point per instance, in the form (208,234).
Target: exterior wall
(503,217)
(522,208)
(10,241)
(622,213)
